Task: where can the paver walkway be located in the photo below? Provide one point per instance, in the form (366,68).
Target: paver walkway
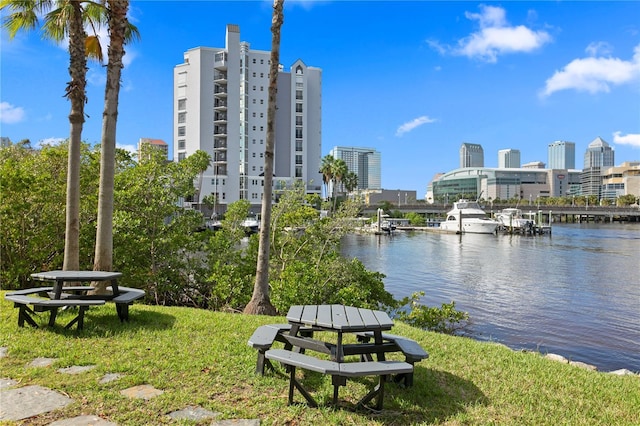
(22,402)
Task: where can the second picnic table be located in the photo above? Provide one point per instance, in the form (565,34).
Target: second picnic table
(339,319)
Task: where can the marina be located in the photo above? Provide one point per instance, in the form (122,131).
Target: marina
(575,292)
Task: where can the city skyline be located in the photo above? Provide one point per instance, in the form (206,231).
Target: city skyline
(414,80)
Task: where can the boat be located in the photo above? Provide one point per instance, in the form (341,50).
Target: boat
(513,220)
(468,217)
(387,226)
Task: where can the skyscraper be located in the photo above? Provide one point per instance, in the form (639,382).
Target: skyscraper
(220,106)
(364,162)
(471,155)
(598,156)
(561,155)
(509,159)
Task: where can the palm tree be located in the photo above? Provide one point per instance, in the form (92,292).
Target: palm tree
(65,18)
(119,32)
(326,168)
(350,181)
(340,170)
(260,304)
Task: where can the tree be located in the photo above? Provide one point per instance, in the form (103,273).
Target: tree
(66,19)
(260,302)
(350,181)
(119,30)
(326,168)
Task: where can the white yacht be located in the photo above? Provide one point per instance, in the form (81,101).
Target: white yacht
(468,217)
(513,219)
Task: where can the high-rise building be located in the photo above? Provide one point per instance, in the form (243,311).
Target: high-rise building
(364,162)
(220,105)
(598,156)
(509,159)
(562,155)
(148,143)
(471,155)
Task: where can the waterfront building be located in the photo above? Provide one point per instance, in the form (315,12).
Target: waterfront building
(598,156)
(561,155)
(621,180)
(471,155)
(501,183)
(364,162)
(509,159)
(220,100)
(148,143)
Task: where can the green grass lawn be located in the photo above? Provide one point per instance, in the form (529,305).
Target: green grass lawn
(201,358)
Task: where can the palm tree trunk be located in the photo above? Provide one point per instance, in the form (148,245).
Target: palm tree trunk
(260,304)
(77,95)
(104,234)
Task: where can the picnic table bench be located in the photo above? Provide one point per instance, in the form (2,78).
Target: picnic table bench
(339,372)
(22,299)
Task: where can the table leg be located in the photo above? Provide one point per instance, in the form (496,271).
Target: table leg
(339,348)
(57,289)
(377,335)
(114,288)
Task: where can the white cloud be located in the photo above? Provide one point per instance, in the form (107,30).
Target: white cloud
(128,147)
(410,125)
(594,74)
(599,48)
(11,114)
(632,139)
(495,37)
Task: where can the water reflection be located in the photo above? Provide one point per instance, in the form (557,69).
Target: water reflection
(576,292)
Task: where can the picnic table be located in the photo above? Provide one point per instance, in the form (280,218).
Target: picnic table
(51,298)
(298,336)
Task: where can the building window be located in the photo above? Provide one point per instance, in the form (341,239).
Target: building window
(182,117)
(254,114)
(261,141)
(254,141)
(254,88)
(254,74)
(262,88)
(182,104)
(299,94)
(298,120)
(253,155)
(254,60)
(298,107)
(261,115)
(261,75)
(261,101)
(298,159)
(254,101)
(262,61)
(298,171)
(181,156)
(299,132)
(262,128)
(182,131)
(254,128)
(262,155)
(298,145)
(181,143)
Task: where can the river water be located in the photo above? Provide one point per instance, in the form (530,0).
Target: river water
(574,293)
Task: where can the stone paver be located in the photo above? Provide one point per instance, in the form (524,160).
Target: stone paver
(28,401)
(110,377)
(76,369)
(83,421)
(3,351)
(193,413)
(142,392)
(42,362)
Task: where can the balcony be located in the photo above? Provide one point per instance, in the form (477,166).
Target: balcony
(220,104)
(219,143)
(220,77)
(219,117)
(220,90)
(220,61)
(220,130)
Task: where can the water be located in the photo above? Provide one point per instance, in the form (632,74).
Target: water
(575,293)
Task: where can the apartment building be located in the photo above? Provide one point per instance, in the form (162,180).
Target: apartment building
(220,106)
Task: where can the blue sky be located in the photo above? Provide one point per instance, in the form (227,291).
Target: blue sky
(411,79)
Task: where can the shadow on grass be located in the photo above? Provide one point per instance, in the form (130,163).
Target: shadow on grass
(435,397)
(104,322)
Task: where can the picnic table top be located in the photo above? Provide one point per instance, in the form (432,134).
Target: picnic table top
(76,275)
(340,318)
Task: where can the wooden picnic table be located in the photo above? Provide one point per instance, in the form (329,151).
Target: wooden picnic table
(298,336)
